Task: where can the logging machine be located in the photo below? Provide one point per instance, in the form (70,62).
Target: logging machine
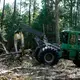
(50,54)
(68,49)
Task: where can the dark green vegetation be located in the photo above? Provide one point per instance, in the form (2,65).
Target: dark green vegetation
(54,16)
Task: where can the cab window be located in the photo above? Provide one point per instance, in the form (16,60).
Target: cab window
(64,37)
(72,39)
(79,39)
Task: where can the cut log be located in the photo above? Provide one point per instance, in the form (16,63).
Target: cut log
(4,47)
(25,51)
(9,53)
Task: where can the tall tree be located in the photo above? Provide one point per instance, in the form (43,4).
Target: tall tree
(57,20)
(30,12)
(20,5)
(34,9)
(14,13)
(71,7)
(2,16)
(78,13)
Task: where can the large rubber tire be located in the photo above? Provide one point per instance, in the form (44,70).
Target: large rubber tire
(49,56)
(77,62)
(36,53)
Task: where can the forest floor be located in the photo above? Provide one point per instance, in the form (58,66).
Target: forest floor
(30,69)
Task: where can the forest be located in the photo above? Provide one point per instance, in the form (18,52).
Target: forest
(53,15)
(48,17)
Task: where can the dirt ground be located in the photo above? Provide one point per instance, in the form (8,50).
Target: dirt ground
(30,69)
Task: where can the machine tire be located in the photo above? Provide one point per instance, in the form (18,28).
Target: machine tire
(77,62)
(49,56)
(36,53)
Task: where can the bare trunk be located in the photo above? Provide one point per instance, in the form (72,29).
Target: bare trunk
(71,13)
(34,9)
(57,21)
(20,6)
(77,19)
(29,12)
(14,13)
(2,17)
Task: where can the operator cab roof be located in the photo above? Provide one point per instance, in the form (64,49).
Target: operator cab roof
(70,31)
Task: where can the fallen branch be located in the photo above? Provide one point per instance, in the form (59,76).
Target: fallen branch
(4,47)
(12,53)
(20,51)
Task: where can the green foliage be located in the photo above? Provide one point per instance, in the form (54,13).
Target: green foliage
(46,19)
(70,14)
(69,17)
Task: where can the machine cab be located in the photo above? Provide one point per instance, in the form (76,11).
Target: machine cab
(70,38)
(70,42)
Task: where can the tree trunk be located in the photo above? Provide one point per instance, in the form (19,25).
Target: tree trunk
(2,16)
(29,12)
(14,13)
(34,9)
(77,20)
(64,16)
(57,21)
(70,13)
(20,6)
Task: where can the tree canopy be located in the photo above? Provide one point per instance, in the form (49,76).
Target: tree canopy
(52,17)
